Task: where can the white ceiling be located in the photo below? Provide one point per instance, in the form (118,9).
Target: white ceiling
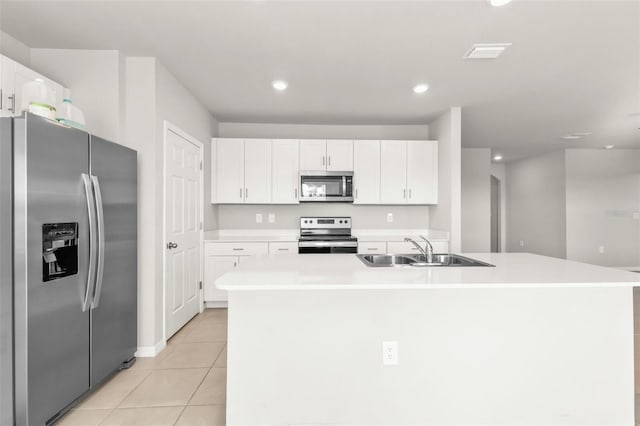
(574,66)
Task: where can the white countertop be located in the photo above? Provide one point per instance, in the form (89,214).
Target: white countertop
(285,235)
(346,271)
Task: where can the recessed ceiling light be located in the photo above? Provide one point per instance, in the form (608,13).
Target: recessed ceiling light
(497,3)
(420,88)
(571,137)
(608,146)
(39,80)
(486,50)
(279,85)
(497,157)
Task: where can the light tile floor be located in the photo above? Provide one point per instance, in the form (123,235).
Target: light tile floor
(184,385)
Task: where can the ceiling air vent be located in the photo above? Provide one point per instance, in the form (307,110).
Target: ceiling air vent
(486,50)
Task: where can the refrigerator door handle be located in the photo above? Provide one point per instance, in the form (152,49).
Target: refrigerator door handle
(91,208)
(100,219)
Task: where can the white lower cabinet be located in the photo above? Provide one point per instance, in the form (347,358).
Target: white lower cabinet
(220,258)
(276,248)
(372,247)
(400,247)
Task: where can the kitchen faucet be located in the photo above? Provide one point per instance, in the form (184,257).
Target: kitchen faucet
(428,253)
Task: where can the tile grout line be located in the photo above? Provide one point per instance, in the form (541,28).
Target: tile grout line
(199,384)
(180,415)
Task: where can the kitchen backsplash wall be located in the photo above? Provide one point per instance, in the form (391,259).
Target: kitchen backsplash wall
(287,216)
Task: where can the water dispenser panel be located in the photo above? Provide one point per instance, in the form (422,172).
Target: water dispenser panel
(59,250)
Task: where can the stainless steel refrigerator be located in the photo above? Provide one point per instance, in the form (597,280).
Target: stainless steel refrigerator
(68,243)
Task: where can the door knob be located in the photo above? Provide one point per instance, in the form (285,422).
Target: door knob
(172,245)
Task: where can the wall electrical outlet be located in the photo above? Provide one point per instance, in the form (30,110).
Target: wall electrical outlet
(389,217)
(601,249)
(390,352)
(272,217)
(636,215)
(521,243)
(258,217)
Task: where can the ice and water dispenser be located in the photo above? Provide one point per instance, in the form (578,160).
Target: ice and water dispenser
(59,250)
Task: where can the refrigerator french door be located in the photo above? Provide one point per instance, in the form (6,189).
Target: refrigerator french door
(74,282)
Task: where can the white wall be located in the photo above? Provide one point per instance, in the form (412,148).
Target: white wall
(15,49)
(476,199)
(499,170)
(364,217)
(603,206)
(141,134)
(447,130)
(320,131)
(96,81)
(536,205)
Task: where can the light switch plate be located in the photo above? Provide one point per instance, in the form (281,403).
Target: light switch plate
(258,217)
(389,217)
(601,249)
(272,217)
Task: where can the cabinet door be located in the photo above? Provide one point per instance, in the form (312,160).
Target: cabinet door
(214,268)
(230,171)
(313,154)
(393,172)
(257,171)
(422,172)
(339,155)
(284,172)
(366,172)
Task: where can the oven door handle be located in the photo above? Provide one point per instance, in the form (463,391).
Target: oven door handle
(328,244)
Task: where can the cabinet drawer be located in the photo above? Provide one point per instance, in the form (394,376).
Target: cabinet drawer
(236,249)
(370,247)
(283,248)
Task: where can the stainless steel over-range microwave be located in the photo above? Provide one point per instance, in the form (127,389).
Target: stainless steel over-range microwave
(322,186)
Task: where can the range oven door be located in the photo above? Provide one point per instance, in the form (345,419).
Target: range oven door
(326,186)
(319,247)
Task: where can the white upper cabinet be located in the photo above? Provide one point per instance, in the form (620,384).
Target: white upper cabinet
(257,171)
(422,172)
(339,155)
(313,154)
(328,155)
(13,78)
(393,172)
(229,170)
(366,172)
(284,172)
(409,172)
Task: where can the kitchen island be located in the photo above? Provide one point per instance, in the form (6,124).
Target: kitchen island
(532,341)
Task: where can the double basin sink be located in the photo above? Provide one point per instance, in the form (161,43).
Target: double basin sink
(391,260)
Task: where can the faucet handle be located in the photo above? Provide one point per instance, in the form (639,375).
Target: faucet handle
(423,237)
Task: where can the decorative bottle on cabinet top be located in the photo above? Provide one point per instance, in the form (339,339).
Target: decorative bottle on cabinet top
(69,114)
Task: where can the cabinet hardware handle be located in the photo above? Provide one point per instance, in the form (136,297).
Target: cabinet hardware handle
(356,192)
(323,159)
(13,103)
(409,193)
(240,193)
(404,193)
(246,193)
(237,249)
(235,264)
(372,248)
(0,98)
(295,193)
(283,249)
(329,160)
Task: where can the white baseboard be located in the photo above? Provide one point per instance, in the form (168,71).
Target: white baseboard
(220,304)
(150,351)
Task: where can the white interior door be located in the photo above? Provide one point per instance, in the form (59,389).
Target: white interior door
(182,229)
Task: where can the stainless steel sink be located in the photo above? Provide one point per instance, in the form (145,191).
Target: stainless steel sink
(439,260)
